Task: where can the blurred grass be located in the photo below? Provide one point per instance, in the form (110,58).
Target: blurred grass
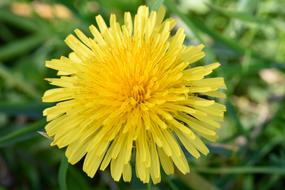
(246,36)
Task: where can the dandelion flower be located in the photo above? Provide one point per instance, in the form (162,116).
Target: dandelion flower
(129,95)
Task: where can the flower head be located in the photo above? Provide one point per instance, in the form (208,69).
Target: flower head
(130,91)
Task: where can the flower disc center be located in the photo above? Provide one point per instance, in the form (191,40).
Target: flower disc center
(137,94)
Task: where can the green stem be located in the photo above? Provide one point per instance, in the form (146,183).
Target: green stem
(62,174)
(149,186)
(240,170)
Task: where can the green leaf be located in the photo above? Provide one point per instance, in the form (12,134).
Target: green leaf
(77,179)
(232,112)
(62,173)
(243,16)
(241,170)
(33,109)
(190,21)
(17,82)
(264,150)
(18,21)
(170,183)
(20,47)
(156,4)
(195,181)
(5,33)
(15,136)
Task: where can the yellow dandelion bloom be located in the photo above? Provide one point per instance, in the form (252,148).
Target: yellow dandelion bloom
(130,91)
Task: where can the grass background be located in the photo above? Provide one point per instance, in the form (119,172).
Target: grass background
(246,36)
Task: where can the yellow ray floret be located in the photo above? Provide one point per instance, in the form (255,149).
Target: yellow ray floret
(129,95)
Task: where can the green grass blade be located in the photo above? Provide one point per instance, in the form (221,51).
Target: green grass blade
(156,4)
(18,21)
(77,179)
(15,136)
(241,170)
(24,108)
(190,21)
(62,173)
(17,82)
(242,16)
(5,33)
(195,181)
(170,183)
(20,47)
(232,112)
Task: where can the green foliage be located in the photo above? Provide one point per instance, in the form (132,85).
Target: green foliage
(62,173)
(246,36)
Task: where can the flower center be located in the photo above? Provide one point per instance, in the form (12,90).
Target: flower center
(137,94)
